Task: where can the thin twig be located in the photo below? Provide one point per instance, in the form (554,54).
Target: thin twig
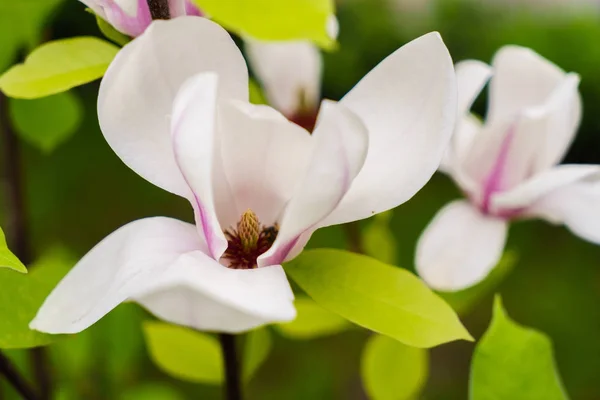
(16,230)
(233,390)
(16,380)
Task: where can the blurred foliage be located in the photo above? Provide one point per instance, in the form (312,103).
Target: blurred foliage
(81,192)
(513,362)
(393,371)
(55,119)
(22,295)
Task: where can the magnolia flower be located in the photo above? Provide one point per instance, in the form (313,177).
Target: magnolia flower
(507,168)
(290,73)
(132,17)
(176,111)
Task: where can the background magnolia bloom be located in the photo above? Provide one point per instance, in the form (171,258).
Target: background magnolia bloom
(290,73)
(507,167)
(132,17)
(176,111)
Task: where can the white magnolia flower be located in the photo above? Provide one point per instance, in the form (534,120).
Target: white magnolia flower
(290,73)
(507,167)
(132,17)
(176,111)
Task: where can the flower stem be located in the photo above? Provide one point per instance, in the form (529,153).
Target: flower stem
(159,9)
(233,389)
(16,226)
(15,379)
(353,235)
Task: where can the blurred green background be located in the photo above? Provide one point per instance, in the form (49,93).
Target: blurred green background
(80,192)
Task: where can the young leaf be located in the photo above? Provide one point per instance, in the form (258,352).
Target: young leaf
(513,362)
(312,321)
(22,295)
(184,353)
(377,296)
(393,371)
(111,33)
(7,258)
(58,66)
(274,20)
(256,351)
(57,117)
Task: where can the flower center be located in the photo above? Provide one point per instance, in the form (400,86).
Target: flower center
(248,241)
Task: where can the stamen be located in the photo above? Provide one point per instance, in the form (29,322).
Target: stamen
(248,241)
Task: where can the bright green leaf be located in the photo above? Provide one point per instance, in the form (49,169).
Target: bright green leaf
(22,295)
(7,258)
(110,32)
(312,321)
(393,371)
(58,66)
(274,20)
(378,239)
(184,353)
(464,300)
(256,350)
(513,362)
(57,117)
(377,296)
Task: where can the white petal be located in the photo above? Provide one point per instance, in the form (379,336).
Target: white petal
(290,73)
(129,6)
(264,157)
(522,79)
(537,187)
(137,92)
(459,247)
(531,143)
(340,151)
(577,206)
(202,294)
(408,104)
(124,262)
(471,77)
(193,129)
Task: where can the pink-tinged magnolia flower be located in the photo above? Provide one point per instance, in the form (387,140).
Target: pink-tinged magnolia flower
(176,111)
(507,167)
(290,73)
(132,17)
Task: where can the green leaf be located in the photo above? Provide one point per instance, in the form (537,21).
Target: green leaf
(152,391)
(7,258)
(256,93)
(377,296)
(22,295)
(110,32)
(513,362)
(184,353)
(312,321)
(378,239)
(256,350)
(58,66)
(393,371)
(57,117)
(464,300)
(274,20)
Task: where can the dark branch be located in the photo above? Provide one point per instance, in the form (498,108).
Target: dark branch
(15,379)
(232,369)
(159,9)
